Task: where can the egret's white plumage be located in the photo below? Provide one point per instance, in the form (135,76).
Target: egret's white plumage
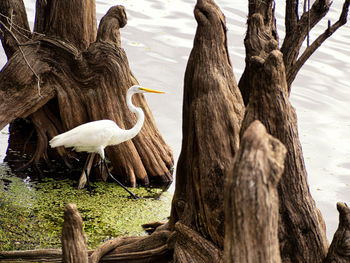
(94,136)
(91,137)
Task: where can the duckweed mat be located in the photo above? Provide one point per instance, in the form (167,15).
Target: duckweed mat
(31,213)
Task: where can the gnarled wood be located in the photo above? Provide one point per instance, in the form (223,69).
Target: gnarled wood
(74,248)
(339,251)
(191,246)
(73,21)
(151,248)
(108,30)
(14,25)
(104,249)
(251,198)
(260,40)
(301,228)
(39,255)
(297,27)
(83,82)
(212,114)
(139,249)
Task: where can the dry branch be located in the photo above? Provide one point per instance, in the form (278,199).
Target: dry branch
(297,29)
(294,68)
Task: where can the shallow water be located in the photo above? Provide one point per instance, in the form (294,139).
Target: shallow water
(158,39)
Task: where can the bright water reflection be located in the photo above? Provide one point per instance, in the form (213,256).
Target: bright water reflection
(158,39)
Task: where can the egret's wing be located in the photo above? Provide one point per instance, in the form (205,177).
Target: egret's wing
(91,134)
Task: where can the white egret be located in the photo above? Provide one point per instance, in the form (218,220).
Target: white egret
(94,136)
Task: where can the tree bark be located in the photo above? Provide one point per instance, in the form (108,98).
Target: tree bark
(72,81)
(74,248)
(339,251)
(298,31)
(14,25)
(202,208)
(251,198)
(260,40)
(212,114)
(140,249)
(301,228)
(191,246)
(72,21)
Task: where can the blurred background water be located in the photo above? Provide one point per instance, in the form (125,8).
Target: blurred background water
(158,39)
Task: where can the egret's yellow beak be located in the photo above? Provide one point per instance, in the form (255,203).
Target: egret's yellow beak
(151,90)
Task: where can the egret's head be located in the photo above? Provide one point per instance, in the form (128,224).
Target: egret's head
(140,89)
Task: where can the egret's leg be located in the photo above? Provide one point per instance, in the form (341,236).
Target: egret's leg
(83,180)
(87,168)
(134,196)
(88,181)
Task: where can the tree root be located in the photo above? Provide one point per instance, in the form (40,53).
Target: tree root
(153,248)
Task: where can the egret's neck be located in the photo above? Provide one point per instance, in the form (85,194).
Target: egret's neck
(139,113)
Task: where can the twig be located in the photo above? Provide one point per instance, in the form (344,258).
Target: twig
(318,42)
(24,57)
(11,19)
(308,20)
(308,23)
(17,28)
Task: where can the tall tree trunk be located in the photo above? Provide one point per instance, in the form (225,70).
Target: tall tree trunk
(261,15)
(212,114)
(265,87)
(72,21)
(84,81)
(301,231)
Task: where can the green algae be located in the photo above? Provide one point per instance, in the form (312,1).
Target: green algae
(31,213)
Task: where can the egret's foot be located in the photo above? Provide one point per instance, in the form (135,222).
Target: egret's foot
(110,175)
(89,189)
(133,196)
